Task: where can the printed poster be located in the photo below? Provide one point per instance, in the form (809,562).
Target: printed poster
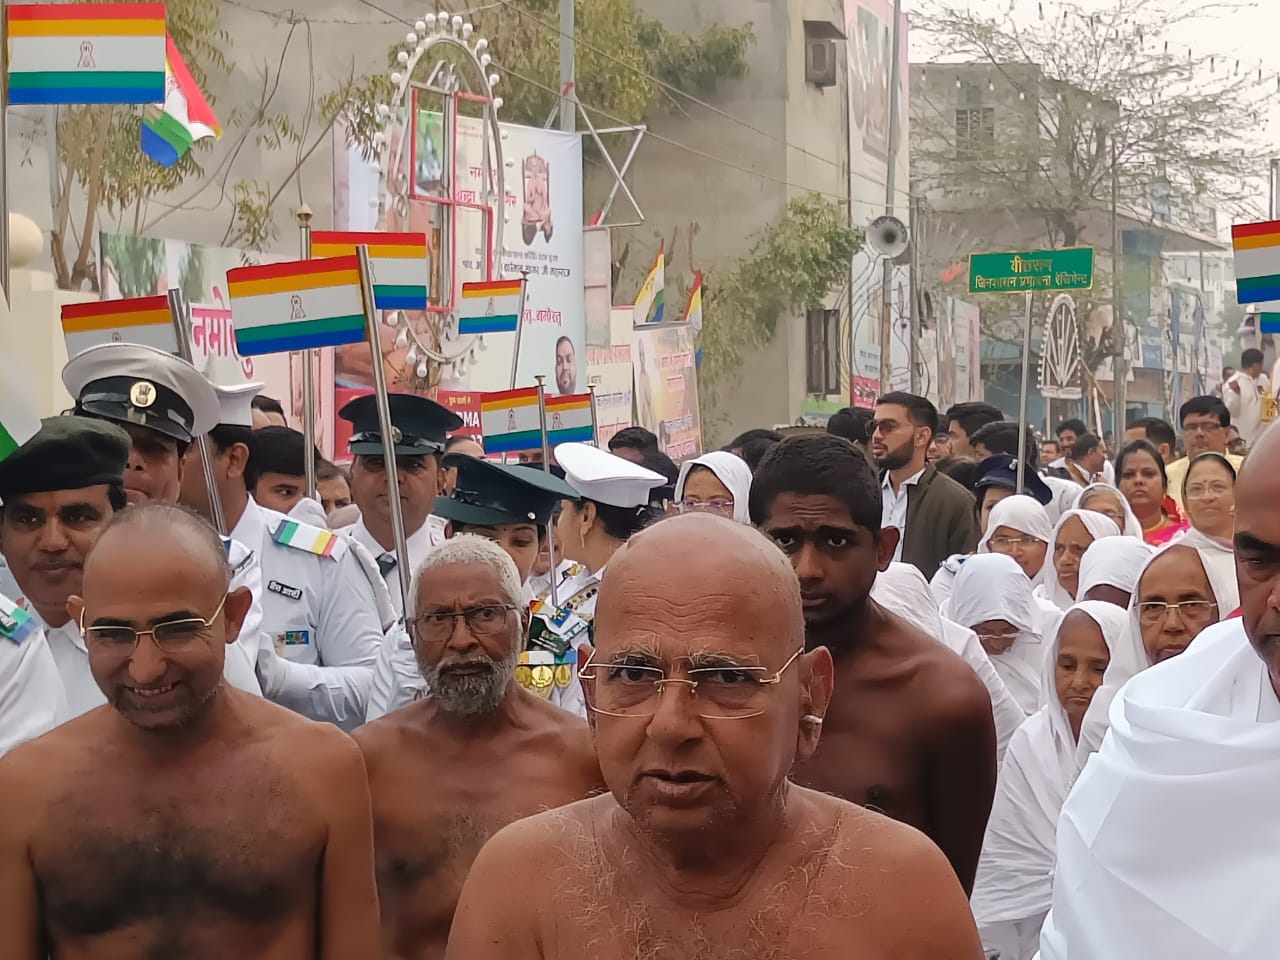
(666,388)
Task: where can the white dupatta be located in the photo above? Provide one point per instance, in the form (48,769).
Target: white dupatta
(1099,527)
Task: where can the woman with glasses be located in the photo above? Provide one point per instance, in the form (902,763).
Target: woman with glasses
(1105,499)
(1020,529)
(1075,533)
(716,482)
(1178,595)
(1209,492)
(1141,476)
(1014,888)
(993,598)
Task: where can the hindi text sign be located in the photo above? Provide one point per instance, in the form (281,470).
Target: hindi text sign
(1035,272)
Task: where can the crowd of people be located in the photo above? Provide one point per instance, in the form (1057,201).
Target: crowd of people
(897,688)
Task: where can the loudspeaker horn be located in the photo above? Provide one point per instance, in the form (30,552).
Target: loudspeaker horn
(887,236)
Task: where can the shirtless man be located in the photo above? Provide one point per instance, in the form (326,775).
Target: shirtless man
(477,754)
(703,849)
(910,730)
(185,818)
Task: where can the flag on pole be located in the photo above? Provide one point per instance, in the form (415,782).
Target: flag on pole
(398,262)
(170,128)
(693,309)
(86,52)
(569,419)
(1257,261)
(491,306)
(510,421)
(649,306)
(144,320)
(299,305)
(1268,315)
(18,419)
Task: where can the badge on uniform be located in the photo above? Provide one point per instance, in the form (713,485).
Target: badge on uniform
(292,638)
(15,623)
(292,593)
(303,536)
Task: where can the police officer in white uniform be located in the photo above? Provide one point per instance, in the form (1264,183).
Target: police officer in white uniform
(318,607)
(162,402)
(421,427)
(511,505)
(32,701)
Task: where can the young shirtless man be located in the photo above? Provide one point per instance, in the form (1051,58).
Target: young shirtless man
(184,819)
(910,730)
(478,753)
(703,849)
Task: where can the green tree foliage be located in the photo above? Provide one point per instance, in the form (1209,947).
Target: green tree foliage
(793,266)
(137,263)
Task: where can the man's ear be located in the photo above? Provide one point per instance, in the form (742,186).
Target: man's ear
(235,609)
(237,460)
(886,546)
(817,679)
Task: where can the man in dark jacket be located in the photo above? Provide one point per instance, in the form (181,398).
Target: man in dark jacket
(934,513)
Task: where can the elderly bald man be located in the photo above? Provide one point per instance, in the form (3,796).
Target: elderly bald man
(702,698)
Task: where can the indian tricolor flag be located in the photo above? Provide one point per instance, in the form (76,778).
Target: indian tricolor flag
(144,320)
(300,305)
(491,306)
(398,262)
(86,52)
(510,421)
(1257,261)
(568,419)
(170,128)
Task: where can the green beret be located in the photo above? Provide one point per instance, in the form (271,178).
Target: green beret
(68,453)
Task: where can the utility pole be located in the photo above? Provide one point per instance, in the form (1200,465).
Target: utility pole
(917,302)
(1118,366)
(886,311)
(568,92)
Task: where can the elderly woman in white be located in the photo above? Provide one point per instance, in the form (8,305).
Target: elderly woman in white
(1074,534)
(1014,885)
(716,482)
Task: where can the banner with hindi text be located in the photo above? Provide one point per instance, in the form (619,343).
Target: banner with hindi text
(666,388)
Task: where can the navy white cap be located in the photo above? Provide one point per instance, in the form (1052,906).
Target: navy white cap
(606,478)
(132,383)
(235,395)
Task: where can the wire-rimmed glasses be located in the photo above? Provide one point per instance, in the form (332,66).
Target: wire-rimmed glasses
(169,635)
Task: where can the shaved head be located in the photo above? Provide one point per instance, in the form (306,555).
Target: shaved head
(170,521)
(1257,543)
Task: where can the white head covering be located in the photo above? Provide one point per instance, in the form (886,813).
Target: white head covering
(1015,872)
(991,586)
(1114,562)
(1130,656)
(605,477)
(731,470)
(1132,528)
(1189,736)
(1097,525)
(903,590)
(1024,514)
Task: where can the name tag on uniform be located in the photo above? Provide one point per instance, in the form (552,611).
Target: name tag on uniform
(293,593)
(292,638)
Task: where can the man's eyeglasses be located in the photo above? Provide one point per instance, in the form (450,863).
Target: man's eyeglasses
(484,620)
(169,636)
(724,692)
(720,506)
(1191,611)
(1008,543)
(1205,427)
(881,426)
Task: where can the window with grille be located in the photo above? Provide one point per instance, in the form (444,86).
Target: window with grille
(975,132)
(822,343)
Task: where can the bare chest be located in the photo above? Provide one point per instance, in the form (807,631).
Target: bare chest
(871,753)
(236,847)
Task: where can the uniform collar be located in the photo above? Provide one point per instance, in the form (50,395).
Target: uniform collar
(249,528)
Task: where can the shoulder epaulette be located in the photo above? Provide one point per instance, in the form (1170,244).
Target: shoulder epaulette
(309,539)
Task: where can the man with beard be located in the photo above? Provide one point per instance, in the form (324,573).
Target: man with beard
(932,513)
(479,752)
(910,730)
(703,698)
(163,403)
(420,428)
(187,819)
(566,367)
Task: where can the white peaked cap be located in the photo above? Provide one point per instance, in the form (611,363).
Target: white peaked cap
(604,477)
(235,394)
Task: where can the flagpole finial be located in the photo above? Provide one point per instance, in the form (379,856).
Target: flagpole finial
(304,215)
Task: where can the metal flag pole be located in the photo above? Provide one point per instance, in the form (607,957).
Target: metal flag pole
(308,372)
(384,422)
(546,468)
(4,164)
(595,424)
(515,354)
(1022,399)
(180,312)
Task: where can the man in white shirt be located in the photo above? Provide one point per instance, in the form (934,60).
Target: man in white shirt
(1249,399)
(421,427)
(320,618)
(1069,431)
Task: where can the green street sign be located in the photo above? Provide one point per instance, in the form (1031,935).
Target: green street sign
(1034,272)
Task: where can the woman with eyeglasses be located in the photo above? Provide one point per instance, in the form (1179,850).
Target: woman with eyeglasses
(1014,887)
(1142,479)
(1020,528)
(993,598)
(1178,595)
(1107,500)
(1209,493)
(716,482)
(1075,533)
